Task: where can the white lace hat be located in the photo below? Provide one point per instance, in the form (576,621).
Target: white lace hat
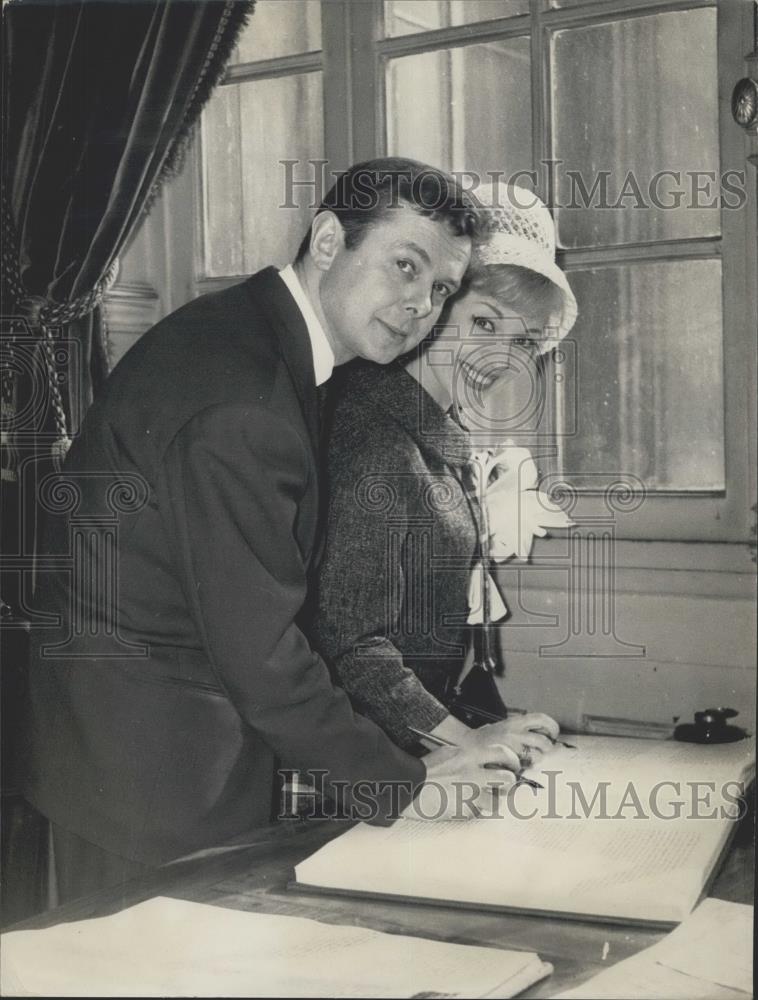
(519,230)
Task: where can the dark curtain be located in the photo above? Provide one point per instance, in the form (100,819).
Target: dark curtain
(99,99)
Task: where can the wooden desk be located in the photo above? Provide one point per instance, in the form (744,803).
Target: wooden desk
(252,874)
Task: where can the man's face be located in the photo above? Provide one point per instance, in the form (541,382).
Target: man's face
(382,298)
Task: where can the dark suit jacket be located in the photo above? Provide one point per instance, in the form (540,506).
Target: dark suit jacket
(178,669)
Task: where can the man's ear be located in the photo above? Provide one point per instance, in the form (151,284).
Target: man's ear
(327,238)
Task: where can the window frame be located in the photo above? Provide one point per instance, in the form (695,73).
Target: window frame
(353,61)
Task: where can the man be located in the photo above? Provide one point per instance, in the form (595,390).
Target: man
(178,673)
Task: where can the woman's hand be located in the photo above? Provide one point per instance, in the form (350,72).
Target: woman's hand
(529,736)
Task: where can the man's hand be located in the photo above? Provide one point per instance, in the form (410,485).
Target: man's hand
(463,781)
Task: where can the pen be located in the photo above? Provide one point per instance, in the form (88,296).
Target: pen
(489,717)
(440,741)
(553,740)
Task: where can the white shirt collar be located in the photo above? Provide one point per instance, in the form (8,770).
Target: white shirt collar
(323,355)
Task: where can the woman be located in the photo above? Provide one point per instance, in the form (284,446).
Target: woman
(393,610)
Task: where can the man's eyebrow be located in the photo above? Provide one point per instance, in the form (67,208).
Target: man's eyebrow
(410,245)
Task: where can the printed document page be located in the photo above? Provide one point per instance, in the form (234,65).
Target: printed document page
(716,943)
(601,850)
(647,872)
(707,957)
(170,947)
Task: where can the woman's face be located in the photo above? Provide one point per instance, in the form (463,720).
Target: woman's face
(489,342)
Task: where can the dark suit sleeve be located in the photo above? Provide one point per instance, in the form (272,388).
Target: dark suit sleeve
(361,592)
(235,476)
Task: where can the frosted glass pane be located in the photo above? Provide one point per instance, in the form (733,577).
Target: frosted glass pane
(648,392)
(280,28)
(222,183)
(405,17)
(466,108)
(633,99)
(246,134)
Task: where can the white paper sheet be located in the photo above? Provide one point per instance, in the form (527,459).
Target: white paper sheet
(170,947)
(708,957)
(715,943)
(633,980)
(546,853)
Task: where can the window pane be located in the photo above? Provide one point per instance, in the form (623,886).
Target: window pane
(248,129)
(648,392)
(632,99)
(222,183)
(466,108)
(280,28)
(405,17)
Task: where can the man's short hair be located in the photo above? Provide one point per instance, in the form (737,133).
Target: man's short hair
(366,193)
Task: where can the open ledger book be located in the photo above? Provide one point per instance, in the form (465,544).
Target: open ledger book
(624,829)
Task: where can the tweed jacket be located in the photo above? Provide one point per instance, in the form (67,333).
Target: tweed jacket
(184,526)
(400,544)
